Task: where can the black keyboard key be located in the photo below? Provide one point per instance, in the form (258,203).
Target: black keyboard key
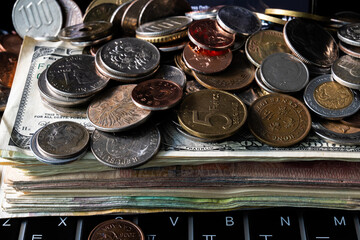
(9,228)
(164,226)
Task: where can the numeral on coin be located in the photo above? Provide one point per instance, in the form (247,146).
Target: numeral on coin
(36,15)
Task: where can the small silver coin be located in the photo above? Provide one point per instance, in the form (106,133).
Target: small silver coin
(128,149)
(165,26)
(171,73)
(93,42)
(86,31)
(346,71)
(349,49)
(75,76)
(329,99)
(37,18)
(101,12)
(260,82)
(72,13)
(283,72)
(350,34)
(236,19)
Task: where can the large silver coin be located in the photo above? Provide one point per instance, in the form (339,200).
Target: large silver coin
(101,12)
(72,14)
(75,76)
(346,71)
(283,72)
(128,149)
(350,34)
(129,57)
(171,73)
(238,20)
(164,26)
(37,18)
(89,31)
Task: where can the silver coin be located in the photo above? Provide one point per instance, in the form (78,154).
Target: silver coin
(260,82)
(349,49)
(315,70)
(37,18)
(71,12)
(128,149)
(171,73)
(75,112)
(163,26)
(236,19)
(93,42)
(101,12)
(283,72)
(329,99)
(350,34)
(129,57)
(75,76)
(86,31)
(172,46)
(346,71)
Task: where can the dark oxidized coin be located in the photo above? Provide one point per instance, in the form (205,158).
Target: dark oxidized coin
(86,31)
(117,16)
(353,120)
(101,12)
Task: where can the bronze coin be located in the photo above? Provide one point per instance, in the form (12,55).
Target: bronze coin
(179,62)
(206,64)
(117,229)
(8,62)
(157,94)
(11,43)
(353,120)
(279,120)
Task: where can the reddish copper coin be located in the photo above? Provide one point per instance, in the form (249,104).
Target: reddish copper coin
(116,229)
(207,34)
(206,64)
(157,94)
(8,63)
(11,43)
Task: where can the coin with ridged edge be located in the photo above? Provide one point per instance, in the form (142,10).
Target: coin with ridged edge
(346,71)
(350,34)
(163,26)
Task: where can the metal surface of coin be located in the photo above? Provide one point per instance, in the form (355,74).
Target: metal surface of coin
(72,13)
(4,95)
(37,18)
(204,14)
(236,19)
(10,43)
(204,63)
(310,42)
(263,43)
(171,73)
(249,95)
(329,99)
(101,12)
(63,139)
(8,63)
(296,14)
(75,76)
(349,49)
(212,114)
(208,34)
(165,38)
(94,3)
(117,16)
(178,59)
(260,83)
(346,71)
(75,112)
(193,86)
(279,120)
(350,34)
(238,75)
(86,31)
(130,20)
(127,149)
(157,94)
(270,19)
(353,120)
(283,72)
(114,111)
(315,70)
(173,45)
(92,42)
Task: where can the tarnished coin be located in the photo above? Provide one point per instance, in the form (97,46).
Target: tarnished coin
(10,43)
(37,18)
(114,111)
(130,20)
(346,71)
(310,42)
(101,12)
(4,95)
(252,93)
(117,16)
(212,114)
(75,76)
(126,149)
(129,57)
(236,19)
(283,72)
(88,31)
(349,49)
(72,13)
(171,73)
(208,34)
(350,34)
(279,120)
(63,139)
(330,99)
(237,76)
(263,43)
(164,26)
(8,63)
(117,229)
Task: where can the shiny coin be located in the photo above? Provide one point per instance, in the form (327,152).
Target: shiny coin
(350,34)
(157,94)
(86,31)
(315,70)
(130,20)
(283,72)
(346,71)
(349,49)
(173,45)
(204,14)
(164,26)
(310,42)
(92,42)
(8,63)
(37,18)
(72,13)
(249,95)
(114,111)
(165,38)
(126,149)
(171,73)
(329,99)
(238,75)
(208,34)
(75,76)
(236,19)
(260,82)
(101,12)
(4,95)
(212,114)
(269,18)
(296,14)
(62,139)
(279,120)
(10,43)
(263,43)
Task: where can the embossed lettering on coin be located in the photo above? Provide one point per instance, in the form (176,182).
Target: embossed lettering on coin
(332,95)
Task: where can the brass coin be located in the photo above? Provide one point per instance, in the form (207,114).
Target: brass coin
(166,38)
(332,95)
(178,59)
(116,229)
(279,120)
(296,14)
(101,12)
(212,114)
(269,18)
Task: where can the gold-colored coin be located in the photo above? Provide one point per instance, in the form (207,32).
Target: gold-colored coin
(279,120)
(269,18)
(212,114)
(94,3)
(297,14)
(165,38)
(332,95)
(178,59)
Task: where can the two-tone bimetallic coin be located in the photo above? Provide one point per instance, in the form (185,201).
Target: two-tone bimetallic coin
(346,71)
(350,34)
(126,149)
(171,73)
(330,99)
(353,51)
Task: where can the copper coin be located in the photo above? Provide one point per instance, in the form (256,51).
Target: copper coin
(11,43)
(117,229)
(279,120)
(8,62)
(157,94)
(207,34)
(204,63)
(353,120)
